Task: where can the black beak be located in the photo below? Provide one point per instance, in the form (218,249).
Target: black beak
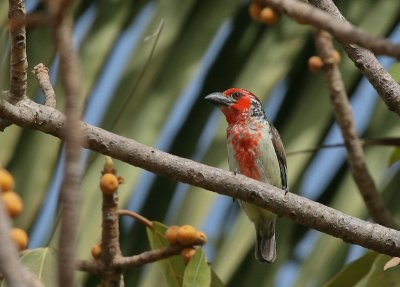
(219,99)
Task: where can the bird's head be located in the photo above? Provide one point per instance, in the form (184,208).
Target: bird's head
(237,104)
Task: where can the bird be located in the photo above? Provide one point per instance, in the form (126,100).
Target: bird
(255,150)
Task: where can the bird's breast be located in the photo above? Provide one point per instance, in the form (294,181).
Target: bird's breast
(244,150)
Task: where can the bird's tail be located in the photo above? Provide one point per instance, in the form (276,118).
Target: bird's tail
(265,244)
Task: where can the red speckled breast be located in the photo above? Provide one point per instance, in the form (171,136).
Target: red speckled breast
(245,146)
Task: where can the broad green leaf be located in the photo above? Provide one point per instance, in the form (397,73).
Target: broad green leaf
(215,280)
(43,263)
(173,267)
(197,272)
(394,156)
(353,272)
(379,277)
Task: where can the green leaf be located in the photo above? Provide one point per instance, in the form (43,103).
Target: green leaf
(43,263)
(394,156)
(379,277)
(353,272)
(215,280)
(173,267)
(197,272)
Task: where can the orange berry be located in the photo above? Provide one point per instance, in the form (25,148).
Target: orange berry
(336,56)
(20,237)
(96,251)
(187,235)
(13,202)
(172,234)
(315,63)
(269,16)
(6,180)
(109,183)
(255,10)
(187,254)
(201,237)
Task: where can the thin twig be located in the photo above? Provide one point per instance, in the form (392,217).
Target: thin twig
(136,216)
(131,93)
(387,88)
(41,73)
(364,142)
(344,117)
(148,257)
(296,208)
(125,263)
(70,189)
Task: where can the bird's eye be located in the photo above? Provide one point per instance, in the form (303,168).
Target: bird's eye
(236,95)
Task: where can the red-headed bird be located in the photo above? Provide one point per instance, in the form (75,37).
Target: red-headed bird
(254,150)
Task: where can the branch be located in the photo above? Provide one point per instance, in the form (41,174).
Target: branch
(70,189)
(292,206)
(343,31)
(344,117)
(395,141)
(136,216)
(387,88)
(18,60)
(110,240)
(41,73)
(125,263)
(15,273)
(148,257)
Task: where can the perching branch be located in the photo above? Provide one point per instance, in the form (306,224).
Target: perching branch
(343,31)
(344,117)
(299,209)
(387,88)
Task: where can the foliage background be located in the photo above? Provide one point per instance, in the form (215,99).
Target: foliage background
(204,46)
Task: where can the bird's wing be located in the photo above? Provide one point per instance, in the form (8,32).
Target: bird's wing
(280,153)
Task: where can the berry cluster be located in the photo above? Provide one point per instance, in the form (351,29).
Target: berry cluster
(185,235)
(14,205)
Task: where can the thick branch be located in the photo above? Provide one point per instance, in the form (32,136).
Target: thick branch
(344,117)
(387,88)
(297,208)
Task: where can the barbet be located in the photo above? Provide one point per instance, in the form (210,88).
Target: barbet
(254,150)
